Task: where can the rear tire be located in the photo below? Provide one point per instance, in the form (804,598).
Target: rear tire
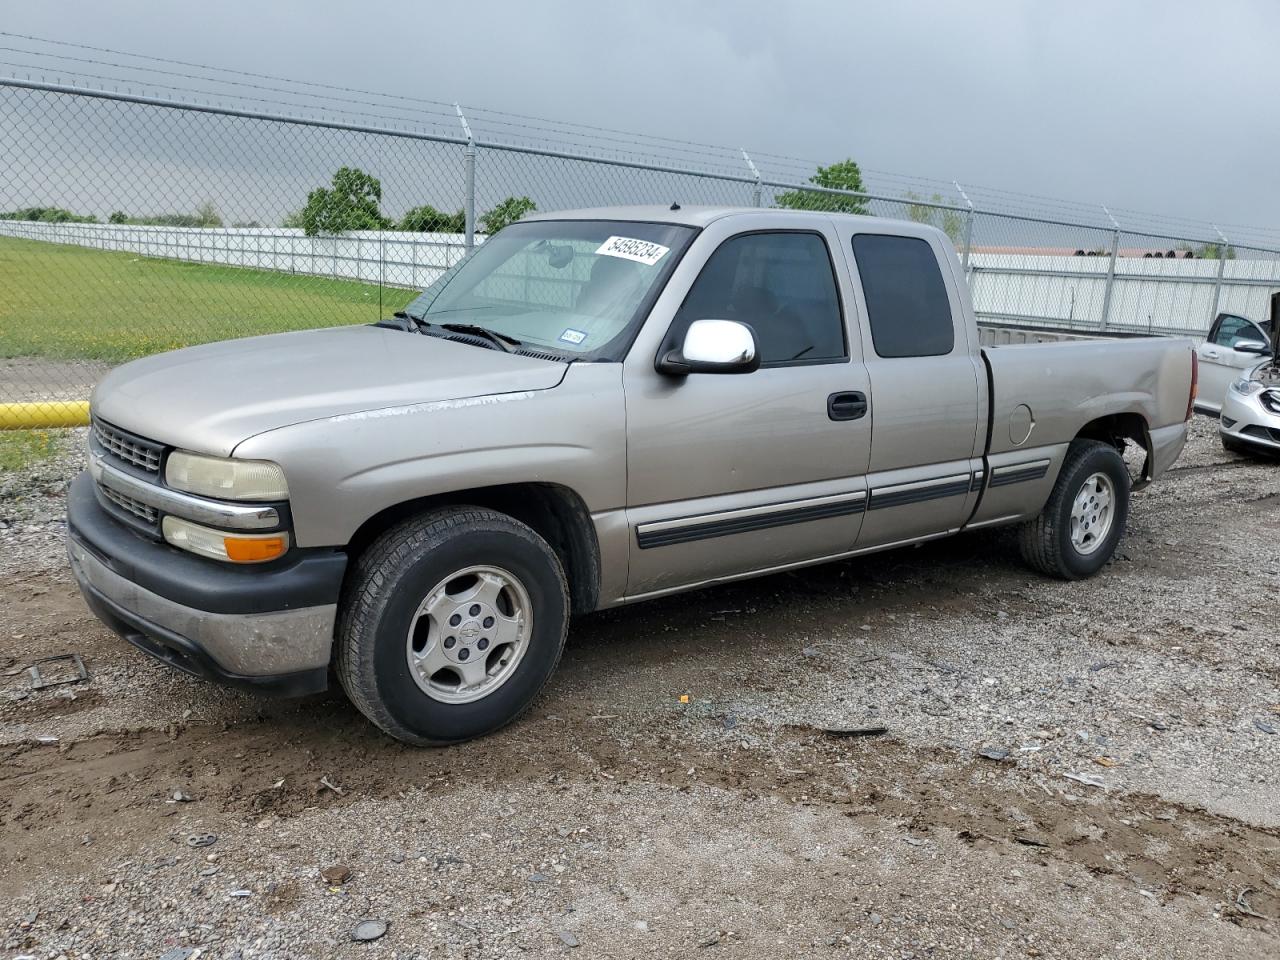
(450,625)
(1083,521)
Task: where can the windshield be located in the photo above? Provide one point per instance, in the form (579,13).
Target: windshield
(571,286)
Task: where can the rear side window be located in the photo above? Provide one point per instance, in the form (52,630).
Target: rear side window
(907,303)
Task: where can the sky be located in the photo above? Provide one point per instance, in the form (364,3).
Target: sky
(1167,107)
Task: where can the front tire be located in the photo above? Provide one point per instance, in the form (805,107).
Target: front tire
(451,623)
(1081,525)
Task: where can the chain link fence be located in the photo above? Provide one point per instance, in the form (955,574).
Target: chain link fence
(135,224)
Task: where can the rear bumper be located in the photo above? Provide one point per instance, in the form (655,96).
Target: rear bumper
(1166,447)
(266,629)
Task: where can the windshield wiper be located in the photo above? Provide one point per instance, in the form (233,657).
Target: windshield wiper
(499,340)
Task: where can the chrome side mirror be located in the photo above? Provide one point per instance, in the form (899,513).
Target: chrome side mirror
(1256,347)
(713,346)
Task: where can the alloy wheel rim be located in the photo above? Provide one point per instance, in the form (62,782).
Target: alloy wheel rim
(469,634)
(1092,513)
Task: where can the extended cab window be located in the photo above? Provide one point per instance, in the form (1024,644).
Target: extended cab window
(780,284)
(907,303)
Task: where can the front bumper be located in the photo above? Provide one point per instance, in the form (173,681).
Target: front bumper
(1248,421)
(268,628)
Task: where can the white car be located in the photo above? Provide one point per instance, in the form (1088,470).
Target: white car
(1234,348)
(1250,419)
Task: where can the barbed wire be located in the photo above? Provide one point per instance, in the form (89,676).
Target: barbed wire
(410,112)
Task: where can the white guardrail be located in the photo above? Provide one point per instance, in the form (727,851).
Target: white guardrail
(1155,295)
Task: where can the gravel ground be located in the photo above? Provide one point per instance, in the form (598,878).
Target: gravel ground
(1134,813)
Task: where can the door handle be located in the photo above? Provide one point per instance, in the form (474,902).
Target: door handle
(848,405)
(1211,354)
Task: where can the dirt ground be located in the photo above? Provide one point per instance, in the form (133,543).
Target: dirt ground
(1135,812)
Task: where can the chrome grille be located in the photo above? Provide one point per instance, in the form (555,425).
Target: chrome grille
(142,511)
(125,447)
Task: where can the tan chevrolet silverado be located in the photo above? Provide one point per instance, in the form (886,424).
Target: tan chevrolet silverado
(594,408)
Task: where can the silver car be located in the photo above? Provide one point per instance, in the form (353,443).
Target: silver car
(1250,421)
(1234,347)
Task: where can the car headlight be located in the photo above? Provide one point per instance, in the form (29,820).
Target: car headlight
(233,547)
(1246,387)
(225,478)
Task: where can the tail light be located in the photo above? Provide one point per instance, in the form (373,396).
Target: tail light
(1195,384)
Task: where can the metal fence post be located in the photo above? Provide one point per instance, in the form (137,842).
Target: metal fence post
(469,164)
(755,187)
(1217,283)
(968,232)
(1111,271)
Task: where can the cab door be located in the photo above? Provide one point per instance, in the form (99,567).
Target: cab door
(928,388)
(1222,360)
(729,474)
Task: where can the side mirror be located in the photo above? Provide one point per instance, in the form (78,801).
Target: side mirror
(1256,347)
(713,346)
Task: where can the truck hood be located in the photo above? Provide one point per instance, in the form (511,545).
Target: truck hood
(213,397)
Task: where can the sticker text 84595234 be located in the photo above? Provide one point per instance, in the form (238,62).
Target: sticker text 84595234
(641,251)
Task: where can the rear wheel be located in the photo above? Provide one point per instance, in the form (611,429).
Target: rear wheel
(1080,526)
(451,624)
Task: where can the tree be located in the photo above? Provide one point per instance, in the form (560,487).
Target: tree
(844,175)
(349,203)
(427,219)
(118,216)
(949,222)
(1215,251)
(507,212)
(207,215)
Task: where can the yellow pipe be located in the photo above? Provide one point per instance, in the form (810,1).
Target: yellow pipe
(44,415)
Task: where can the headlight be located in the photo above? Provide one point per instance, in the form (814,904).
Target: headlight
(1245,387)
(233,547)
(225,478)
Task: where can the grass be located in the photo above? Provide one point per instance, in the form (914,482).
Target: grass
(66,302)
(21,448)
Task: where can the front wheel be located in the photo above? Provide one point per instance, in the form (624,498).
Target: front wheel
(1080,526)
(451,623)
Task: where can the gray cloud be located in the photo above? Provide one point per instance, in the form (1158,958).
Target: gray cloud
(1159,106)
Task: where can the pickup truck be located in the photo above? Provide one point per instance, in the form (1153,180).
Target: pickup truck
(593,408)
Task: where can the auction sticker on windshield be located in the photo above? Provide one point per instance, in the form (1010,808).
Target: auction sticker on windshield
(628,248)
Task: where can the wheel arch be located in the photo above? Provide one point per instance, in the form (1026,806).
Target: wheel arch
(1117,428)
(553,511)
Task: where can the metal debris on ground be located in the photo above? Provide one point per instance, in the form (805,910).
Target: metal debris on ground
(994,753)
(178,953)
(1087,779)
(40,681)
(1265,727)
(1027,841)
(854,731)
(568,938)
(325,784)
(202,839)
(1242,904)
(369,930)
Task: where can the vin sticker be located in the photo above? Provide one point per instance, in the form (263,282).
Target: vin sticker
(641,251)
(573,336)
